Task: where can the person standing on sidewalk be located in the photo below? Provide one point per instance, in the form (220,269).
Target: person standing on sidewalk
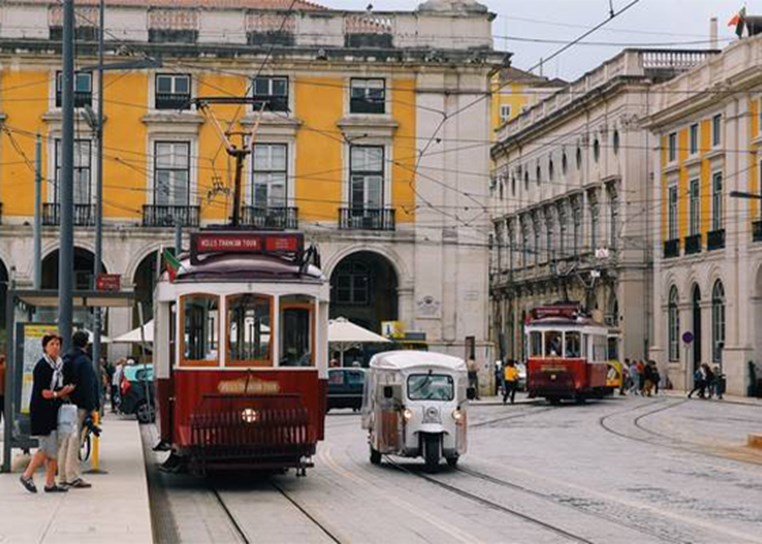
(511,378)
(116,382)
(47,390)
(473,377)
(78,369)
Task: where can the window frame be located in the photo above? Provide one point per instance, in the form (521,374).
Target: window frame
(673,324)
(504,117)
(366,175)
(717,130)
(366,105)
(352,274)
(201,363)
(672,147)
(719,301)
(694,217)
(188,169)
(693,139)
(173,93)
(269,171)
(673,203)
(281,333)
(272,102)
(84,94)
(256,363)
(718,207)
(57,170)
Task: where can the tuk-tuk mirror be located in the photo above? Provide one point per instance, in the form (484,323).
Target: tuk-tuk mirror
(388,392)
(470,393)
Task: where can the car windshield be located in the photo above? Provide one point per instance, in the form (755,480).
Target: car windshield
(430,387)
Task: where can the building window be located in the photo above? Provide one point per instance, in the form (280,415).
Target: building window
(539,174)
(172,174)
(513,185)
(577,221)
(525,245)
(505,112)
(717,130)
(551,170)
(564,164)
(672,147)
(717,210)
(172,92)
(549,234)
(695,208)
(579,159)
(366,176)
(718,321)
(615,142)
(526,181)
(270,93)
(673,316)
(596,150)
(694,138)
(614,217)
(83,89)
(672,213)
(594,224)
(353,283)
(368,96)
(269,175)
(82,169)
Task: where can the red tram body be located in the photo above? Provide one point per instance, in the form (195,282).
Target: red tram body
(240,353)
(566,354)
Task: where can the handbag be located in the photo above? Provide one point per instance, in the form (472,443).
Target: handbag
(67,419)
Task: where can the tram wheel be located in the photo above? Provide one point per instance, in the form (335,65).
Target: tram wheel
(452,462)
(431,450)
(375,456)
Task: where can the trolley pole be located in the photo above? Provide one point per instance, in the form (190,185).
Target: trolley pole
(66,250)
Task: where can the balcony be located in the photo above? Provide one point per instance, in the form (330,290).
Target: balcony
(672,248)
(84,215)
(270,102)
(693,244)
(167,215)
(366,218)
(172,101)
(272,218)
(81,99)
(756,231)
(366,105)
(715,239)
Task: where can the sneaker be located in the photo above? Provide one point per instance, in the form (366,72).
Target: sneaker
(79,483)
(28,484)
(55,489)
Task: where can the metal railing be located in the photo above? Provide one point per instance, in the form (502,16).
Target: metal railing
(366,218)
(81,99)
(756,231)
(172,101)
(715,239)
(672,248)
(84,214)
(167,215)
(271,218)
(693,244)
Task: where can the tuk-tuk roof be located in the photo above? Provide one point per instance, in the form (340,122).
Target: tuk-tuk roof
(404,359)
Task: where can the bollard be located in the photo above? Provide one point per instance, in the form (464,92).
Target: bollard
(95,454)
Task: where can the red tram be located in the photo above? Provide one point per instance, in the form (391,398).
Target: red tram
(240,353)
(567,354)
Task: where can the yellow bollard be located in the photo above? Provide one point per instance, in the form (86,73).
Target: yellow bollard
(95,453)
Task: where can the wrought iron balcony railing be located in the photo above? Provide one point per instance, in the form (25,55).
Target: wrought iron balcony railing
(172,101)
(693,244)
(271,218)
(84,214)
(366,218)
(672,248)
(715,239)
(168,215)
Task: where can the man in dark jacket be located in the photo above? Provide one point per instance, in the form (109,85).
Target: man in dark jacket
(78,370)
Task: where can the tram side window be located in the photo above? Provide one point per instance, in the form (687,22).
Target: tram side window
(613,348)
(201,328)
(249,330)
(585,340)
(553,344)
(296,330)
(599,347)
(535,344)
(572,344)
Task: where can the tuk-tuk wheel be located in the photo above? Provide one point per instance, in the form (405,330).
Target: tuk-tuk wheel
(452,461)
(375,456)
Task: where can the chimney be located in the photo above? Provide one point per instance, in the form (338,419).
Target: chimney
(713,44)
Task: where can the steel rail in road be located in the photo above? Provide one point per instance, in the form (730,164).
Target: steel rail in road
(230,517)
(492,504)
(306,513)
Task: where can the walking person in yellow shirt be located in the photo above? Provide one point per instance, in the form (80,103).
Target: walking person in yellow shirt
(511,378)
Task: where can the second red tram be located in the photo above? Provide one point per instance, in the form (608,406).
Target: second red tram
(240,353)
(567,354)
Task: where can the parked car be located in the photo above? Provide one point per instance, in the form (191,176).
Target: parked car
(137,382)
(345,387)
(522,376)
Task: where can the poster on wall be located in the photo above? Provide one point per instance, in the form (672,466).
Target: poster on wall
(30,337)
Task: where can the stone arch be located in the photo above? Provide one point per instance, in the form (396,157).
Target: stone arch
(397,263)
(84,261)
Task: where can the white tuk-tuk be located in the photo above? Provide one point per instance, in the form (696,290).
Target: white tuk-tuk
(414,404)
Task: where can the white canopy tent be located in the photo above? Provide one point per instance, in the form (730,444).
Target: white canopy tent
(104,339)
(135,337)
(343,335)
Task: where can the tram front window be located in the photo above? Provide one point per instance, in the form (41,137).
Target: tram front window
(201,328)
(249,329)
(535,344)
(553,344)
(572,344)
(296,330)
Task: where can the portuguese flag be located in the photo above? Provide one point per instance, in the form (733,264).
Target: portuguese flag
(172,263)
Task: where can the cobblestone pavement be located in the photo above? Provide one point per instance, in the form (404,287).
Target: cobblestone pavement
(622,470)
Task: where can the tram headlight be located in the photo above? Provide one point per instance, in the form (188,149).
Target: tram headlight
(407,413)
(250,415)
(457,415)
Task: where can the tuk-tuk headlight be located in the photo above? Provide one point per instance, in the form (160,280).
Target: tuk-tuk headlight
(407,413)
(457,415)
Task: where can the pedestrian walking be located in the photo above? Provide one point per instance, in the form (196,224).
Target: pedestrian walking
(116,382)
(634,378)
(498,376)
(641,376)
(473,377)
(648,381)
(625,377)
(47,390)
(710,379)
(698,382)
(78,369)
(2,387)
(511,379)
(719,379)
(655,376)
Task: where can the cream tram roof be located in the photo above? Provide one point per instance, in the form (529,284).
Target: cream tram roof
(408,359)
(238,267)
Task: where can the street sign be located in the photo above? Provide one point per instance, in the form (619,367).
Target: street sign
(687,337)
(108,282)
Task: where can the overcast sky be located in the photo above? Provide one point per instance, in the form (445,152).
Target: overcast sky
(684,23)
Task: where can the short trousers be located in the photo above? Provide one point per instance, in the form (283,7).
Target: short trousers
(49,444)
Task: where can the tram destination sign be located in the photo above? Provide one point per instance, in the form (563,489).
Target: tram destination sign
(204,243)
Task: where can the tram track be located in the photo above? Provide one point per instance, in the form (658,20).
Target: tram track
(238,529)
(572,537)
(323,528)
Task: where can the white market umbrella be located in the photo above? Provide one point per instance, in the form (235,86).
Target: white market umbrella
(135,336)
(104,339)
(343,334)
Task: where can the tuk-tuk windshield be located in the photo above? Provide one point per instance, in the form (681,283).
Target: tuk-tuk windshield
(430,387)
